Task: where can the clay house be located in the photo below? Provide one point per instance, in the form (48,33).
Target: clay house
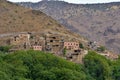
(77,58)
(114,56)
(54,43)
(72,49)
(37,44)
(110,55)
(20,41)
(106,54)
(71,45)
(20,38)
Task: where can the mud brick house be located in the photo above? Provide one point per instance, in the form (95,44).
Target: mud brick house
(21,41)
(77,57)
(71,45)
(54,43)
(110,55)
(107,54)
(38,44)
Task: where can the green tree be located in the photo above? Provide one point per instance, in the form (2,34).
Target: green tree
(81,46)
(97,66)
(101,49)
(3,76)
(64,51)
(4,48)
(116,69)
(35,65)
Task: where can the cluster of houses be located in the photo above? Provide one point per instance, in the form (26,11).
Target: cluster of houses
(52,43)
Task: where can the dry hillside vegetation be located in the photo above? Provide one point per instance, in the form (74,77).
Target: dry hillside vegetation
(15,19)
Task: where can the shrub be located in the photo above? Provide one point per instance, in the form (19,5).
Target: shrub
(5,48)
(101,49)
(64,51)
(81,46)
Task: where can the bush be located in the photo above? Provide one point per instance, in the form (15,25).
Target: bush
(97,66)
(5,48)
(101,49)
(64,51)
(35,65)
(81,46)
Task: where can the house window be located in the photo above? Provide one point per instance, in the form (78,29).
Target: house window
(51,40)
(54,37)
(76,44)
(35,43)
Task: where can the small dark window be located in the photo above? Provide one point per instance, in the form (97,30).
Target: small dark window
(15,38)
(75,51)
(35,43)
(51,40)
(77,45)
(54,37)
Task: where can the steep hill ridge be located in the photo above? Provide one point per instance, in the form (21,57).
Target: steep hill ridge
(97,22)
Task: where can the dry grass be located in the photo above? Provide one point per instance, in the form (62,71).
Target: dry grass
(14,18)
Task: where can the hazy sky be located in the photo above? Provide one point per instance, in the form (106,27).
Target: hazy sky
(72,1)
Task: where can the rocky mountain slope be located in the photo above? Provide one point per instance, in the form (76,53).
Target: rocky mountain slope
(97,22)
(15,19)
